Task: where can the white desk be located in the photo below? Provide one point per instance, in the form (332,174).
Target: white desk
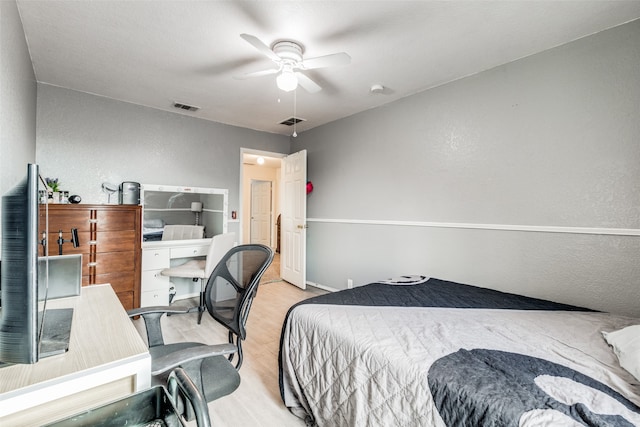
(107,360)
(156,256)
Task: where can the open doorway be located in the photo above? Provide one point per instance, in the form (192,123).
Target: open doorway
(260,196)
(287,229)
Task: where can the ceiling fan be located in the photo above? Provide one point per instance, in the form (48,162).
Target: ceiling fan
(287,55)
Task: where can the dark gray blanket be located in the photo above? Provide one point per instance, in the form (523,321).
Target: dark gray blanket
(483,387)
(435,293)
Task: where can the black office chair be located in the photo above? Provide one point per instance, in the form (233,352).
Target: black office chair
(228,297)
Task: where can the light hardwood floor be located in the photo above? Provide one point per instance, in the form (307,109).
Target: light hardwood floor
(257,401)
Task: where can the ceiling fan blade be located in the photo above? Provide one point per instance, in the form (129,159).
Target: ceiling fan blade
(308,84)
(258,44)
(257,74)
(341,58)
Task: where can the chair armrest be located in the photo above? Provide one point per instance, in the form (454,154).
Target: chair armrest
(151,317)
(180,357)
(180,385)
(156,309)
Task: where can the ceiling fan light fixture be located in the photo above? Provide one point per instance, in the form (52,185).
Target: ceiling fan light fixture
(287,81)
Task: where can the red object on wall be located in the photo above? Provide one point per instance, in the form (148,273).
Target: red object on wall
(309,187)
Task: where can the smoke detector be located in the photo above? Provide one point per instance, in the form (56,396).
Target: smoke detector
(376,88)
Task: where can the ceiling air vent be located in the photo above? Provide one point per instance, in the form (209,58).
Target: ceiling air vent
(291,121)
(185,107)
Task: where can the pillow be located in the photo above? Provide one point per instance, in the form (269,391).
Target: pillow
(405,280)
(153,223)
(626,345)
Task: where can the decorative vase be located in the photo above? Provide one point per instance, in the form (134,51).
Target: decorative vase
(56,197)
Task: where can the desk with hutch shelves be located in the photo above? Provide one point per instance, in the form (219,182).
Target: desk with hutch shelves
(172,205)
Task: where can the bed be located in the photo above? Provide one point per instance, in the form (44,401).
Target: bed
(427,352)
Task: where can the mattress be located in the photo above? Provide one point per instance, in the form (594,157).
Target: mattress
(423,355)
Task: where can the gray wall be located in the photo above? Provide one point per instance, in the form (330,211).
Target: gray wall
(17,99)
(85,140)
(492,180)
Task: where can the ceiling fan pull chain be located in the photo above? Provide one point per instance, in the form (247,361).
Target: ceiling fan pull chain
(295,116)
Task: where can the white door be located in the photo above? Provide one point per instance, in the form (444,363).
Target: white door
(261,212)
(293,251)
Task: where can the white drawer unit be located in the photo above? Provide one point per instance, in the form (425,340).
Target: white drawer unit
(153,259)
(155,286)
(155,289)
(154,280)
(156,256)
(155,297)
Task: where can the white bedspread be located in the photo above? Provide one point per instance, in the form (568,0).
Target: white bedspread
(369,366)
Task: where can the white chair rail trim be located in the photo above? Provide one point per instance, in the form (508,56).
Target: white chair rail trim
(502,227)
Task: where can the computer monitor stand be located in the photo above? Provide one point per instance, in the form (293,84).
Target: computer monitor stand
(56,331)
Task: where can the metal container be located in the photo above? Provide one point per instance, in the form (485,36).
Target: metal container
(129,193)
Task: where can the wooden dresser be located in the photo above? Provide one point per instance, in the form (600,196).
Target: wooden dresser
(110,242)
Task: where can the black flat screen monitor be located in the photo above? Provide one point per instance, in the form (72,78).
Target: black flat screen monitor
(24,335)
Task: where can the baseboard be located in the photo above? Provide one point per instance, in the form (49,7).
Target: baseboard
(323,287)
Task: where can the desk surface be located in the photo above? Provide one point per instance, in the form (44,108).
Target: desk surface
(159,244)
(104,346)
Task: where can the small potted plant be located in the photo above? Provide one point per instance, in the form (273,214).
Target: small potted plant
(54,189)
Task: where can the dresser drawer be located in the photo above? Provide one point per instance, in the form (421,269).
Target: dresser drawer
(126,299)
(153,259)
(114,262)
(112,220)
(65,217)
(109,241)
(67,246)
(120,282)
(194,251)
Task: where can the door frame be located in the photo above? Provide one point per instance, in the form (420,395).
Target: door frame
(241,207)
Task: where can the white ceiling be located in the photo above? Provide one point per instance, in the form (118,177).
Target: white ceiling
(155,53)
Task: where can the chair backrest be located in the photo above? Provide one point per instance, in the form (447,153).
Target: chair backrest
(220,245)
(182,232)
(239,271)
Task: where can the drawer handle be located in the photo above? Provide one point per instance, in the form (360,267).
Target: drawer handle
(93,242)
(93,221)
(92,264)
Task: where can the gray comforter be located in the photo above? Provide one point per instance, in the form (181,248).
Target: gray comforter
(431,366)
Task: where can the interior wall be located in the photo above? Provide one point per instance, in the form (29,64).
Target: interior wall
(471,181)
(85,140)
(17,100)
